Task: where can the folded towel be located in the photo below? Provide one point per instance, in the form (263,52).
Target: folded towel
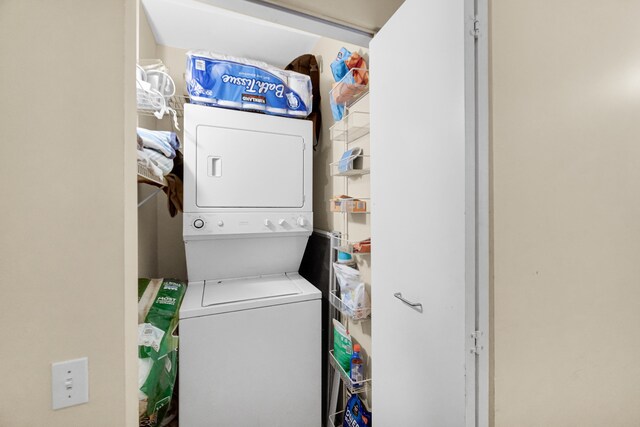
(174,141)
(162,141)
(143,158)
(165,164)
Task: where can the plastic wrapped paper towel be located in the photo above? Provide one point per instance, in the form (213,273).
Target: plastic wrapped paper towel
(240,83)
(301,85)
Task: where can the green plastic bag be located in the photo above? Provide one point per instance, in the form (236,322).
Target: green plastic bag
(342,345)
(158,314)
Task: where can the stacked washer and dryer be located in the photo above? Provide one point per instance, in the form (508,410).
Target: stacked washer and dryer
(250,325)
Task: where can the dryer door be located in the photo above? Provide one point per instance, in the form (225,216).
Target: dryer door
(237,168)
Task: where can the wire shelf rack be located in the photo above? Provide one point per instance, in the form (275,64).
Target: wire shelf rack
(353,313)
(337,419)
(353,205)
(355,165)
(350,88)
(353,126)
(145,175)
(361,247)
(148,104)
(353,387)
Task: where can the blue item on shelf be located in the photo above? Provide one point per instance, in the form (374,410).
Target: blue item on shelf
(346,161)
(339,68)
(338,111)
(344,257)
(357,367)
(355,414)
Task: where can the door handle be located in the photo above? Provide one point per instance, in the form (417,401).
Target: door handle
(415,305)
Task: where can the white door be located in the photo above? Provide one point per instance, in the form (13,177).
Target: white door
(419,153)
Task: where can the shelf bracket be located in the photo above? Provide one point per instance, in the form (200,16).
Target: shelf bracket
(149,197)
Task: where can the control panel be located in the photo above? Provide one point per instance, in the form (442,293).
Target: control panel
(211,224)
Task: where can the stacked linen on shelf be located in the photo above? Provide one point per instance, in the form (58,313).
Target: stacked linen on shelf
(157,149)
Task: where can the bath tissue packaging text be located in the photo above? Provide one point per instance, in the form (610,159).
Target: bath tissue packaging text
(240,83)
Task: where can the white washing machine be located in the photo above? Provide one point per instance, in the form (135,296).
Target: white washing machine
(250,325)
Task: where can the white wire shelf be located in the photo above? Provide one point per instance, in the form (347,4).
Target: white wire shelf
(352,205)
(355,165)
(145,175)
(350,88)
(337,419)
(360,247)
(356,314)
(353,387)
(148,105)
(352,127)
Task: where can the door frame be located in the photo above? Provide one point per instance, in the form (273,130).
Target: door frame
(477,257)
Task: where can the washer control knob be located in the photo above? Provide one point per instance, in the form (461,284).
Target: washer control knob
(301,221)
(281,222)
(198,223)
(220,223)
(267,222)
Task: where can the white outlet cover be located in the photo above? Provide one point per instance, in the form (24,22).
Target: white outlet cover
(70,383)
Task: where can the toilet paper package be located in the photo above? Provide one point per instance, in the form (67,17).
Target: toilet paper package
(244,84)
(278,109)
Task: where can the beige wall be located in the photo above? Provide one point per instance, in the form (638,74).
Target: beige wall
(68,218)
(566,212)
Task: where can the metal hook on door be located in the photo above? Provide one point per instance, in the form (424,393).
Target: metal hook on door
(415,305)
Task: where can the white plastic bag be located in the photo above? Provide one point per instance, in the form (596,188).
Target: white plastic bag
(352,291)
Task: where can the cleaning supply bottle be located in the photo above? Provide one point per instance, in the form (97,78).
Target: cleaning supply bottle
(357,367)
(345,258)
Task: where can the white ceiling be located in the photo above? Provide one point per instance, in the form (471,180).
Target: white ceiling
(274,31)
(368,15)
(191,24)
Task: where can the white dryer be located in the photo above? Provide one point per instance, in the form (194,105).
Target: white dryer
(249,324)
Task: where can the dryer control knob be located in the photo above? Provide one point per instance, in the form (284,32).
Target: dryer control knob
(281,222)
(267,222)
(301,221)
(198,223)
(220,223)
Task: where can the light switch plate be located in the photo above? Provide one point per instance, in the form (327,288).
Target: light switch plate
(70,383)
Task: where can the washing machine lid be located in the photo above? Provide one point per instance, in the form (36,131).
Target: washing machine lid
(247,289)
(204,298)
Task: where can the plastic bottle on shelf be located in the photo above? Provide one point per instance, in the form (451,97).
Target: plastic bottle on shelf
(357,367)
(345,258)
